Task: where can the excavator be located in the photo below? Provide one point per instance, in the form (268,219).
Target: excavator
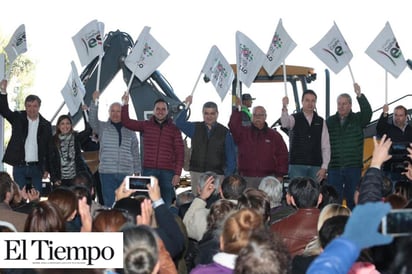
(117,46)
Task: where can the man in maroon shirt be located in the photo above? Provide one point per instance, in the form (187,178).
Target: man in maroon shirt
(261,150)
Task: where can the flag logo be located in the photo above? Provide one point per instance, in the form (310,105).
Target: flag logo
(92,40)
(246,56)
(276,44)
(385,50)
(333,50)
(218,73)
(394,53)
(20,39)
(281,45)
(74,88)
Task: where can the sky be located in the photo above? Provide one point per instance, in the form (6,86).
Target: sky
(187,29)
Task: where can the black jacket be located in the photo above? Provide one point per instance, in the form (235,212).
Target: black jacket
(54,158)
(15,153)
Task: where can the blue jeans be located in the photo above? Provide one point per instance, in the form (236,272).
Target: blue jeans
(165,183)
(303,171)
(345,180)
(23,175)
(110,182)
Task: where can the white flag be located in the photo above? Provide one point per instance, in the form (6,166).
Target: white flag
(146,56)
(17,44)
(219,71)
(73,91)
(386,52)
(333,50)
(249,58)
(89,42)
(280,47)
(2,66)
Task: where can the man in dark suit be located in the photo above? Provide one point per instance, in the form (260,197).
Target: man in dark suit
(27,150)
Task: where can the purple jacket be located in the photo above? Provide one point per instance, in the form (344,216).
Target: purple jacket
(224,263)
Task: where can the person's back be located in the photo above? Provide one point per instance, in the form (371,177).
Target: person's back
(235,235)
(7,214)
(209,244)
(195,218)
(300,227)
(274,190)
(264,254)
(45,217)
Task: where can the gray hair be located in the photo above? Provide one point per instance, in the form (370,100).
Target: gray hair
(347,96)
(273,189)
(204,176)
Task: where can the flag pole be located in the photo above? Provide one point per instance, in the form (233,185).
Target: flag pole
(98,72)
(351,73)
(130,82)
(86,116)
(96,102)
(386,86)
(284,78)
(197,81)
(238,91)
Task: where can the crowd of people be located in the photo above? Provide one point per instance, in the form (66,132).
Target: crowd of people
(255,206)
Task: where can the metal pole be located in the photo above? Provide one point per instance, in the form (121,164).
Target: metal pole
(57,112)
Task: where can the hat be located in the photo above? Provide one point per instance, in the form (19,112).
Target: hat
(247,96)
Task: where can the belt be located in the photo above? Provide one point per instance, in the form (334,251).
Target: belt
(31,163)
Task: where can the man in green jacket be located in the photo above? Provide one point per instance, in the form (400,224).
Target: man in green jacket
(346,142)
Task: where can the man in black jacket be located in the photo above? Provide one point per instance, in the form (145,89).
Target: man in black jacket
(27,150)
(400,132)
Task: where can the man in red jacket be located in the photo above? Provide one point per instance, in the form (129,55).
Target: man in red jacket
(163,151)
(261,150)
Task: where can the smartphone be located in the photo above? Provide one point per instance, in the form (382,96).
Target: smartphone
(29,187)
(139,183)
(398,222)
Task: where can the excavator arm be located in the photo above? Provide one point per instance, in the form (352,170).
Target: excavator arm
(117,45)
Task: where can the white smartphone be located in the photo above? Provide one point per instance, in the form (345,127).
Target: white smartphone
(139,183)
(398,222)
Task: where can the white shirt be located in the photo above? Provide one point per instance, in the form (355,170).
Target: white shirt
(30,146)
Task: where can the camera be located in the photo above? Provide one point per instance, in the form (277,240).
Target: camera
(398,222)
(400,159)
(139,183)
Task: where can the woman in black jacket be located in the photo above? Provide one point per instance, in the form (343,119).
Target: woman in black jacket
(66,159)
